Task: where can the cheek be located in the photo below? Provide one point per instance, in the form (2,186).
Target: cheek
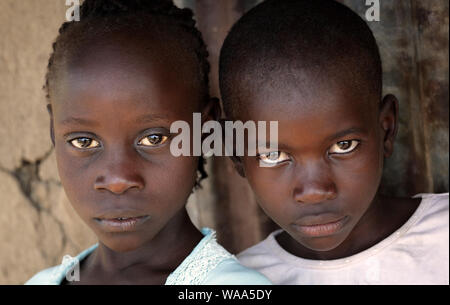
(70,170)
(271,189)
(357,180)
(76,179)
(168,180)
(176,176)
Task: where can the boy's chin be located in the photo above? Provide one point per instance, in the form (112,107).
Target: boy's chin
(321,244)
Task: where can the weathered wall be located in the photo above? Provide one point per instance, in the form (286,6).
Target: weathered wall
(38,225)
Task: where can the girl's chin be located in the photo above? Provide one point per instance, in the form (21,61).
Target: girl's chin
(122,244)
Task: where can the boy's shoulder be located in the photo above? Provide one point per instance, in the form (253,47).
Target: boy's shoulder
(435,202)
(432,213)
(211,264)
(262,254)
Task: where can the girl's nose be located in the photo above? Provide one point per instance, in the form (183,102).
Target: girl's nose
(315,186)
(119,175)
(118,184)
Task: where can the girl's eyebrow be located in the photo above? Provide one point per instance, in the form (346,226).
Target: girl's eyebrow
(147,118)
(78,121)
(151,117)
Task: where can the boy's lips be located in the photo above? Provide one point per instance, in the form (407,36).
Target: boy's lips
(320,226)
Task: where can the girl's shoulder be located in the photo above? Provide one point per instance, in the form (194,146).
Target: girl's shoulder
(210,264)
(68,269)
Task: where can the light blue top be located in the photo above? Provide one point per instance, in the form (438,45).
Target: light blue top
(208,264)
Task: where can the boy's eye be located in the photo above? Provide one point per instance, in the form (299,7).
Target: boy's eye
(153,139)
(344,147)
(274,157)
(84,143)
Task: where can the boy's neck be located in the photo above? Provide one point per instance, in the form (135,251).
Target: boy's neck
(151,263)
(383,218)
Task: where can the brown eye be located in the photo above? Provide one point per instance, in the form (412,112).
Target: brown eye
(344,147)
(152,140)
(273,157)
(84,143)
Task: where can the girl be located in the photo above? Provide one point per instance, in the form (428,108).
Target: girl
(116,81)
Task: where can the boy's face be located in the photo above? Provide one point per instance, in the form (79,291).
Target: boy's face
(112,111)
(331,140)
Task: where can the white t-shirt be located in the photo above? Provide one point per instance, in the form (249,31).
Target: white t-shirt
(417,253)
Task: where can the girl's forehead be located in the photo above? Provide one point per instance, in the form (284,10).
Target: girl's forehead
(122,49)
(112,72)
(121,89)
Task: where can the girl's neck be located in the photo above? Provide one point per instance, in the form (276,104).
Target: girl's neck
(162,255)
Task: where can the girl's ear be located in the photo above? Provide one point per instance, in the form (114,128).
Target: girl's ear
(211,111)
(52,130)
(389,122)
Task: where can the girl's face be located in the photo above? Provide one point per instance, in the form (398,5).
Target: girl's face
(112,110)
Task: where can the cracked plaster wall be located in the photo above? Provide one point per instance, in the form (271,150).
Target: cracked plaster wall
(37,224)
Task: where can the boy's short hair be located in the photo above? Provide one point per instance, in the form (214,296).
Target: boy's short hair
(279,38)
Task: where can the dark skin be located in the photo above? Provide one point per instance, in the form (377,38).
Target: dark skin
(112,107)
(332,141)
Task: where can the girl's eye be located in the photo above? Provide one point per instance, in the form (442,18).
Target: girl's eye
(344,147)
(153,139)
(84,143)
(273,158)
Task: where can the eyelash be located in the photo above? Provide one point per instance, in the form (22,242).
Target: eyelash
(162,139)
(354,144)
(90,140)
(267,155)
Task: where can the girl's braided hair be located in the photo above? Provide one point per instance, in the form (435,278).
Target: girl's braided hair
(103,16)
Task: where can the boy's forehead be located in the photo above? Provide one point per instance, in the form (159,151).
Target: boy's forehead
(307,94)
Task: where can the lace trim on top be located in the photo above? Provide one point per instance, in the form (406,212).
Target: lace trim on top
(206,256)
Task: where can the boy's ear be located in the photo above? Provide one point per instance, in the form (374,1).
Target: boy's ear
(237,161)
(389,122)
(211,111)
(52,130)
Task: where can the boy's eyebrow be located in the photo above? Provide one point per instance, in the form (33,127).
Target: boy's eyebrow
(345,132)
(337,135)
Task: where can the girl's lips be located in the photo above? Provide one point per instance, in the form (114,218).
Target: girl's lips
(319,230)
(122,224)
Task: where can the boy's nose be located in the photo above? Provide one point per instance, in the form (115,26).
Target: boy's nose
(314,186)
(119,175)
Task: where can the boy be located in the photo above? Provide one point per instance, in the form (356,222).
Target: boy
(315,68)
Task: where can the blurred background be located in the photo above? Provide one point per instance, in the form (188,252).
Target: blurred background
(37,224)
